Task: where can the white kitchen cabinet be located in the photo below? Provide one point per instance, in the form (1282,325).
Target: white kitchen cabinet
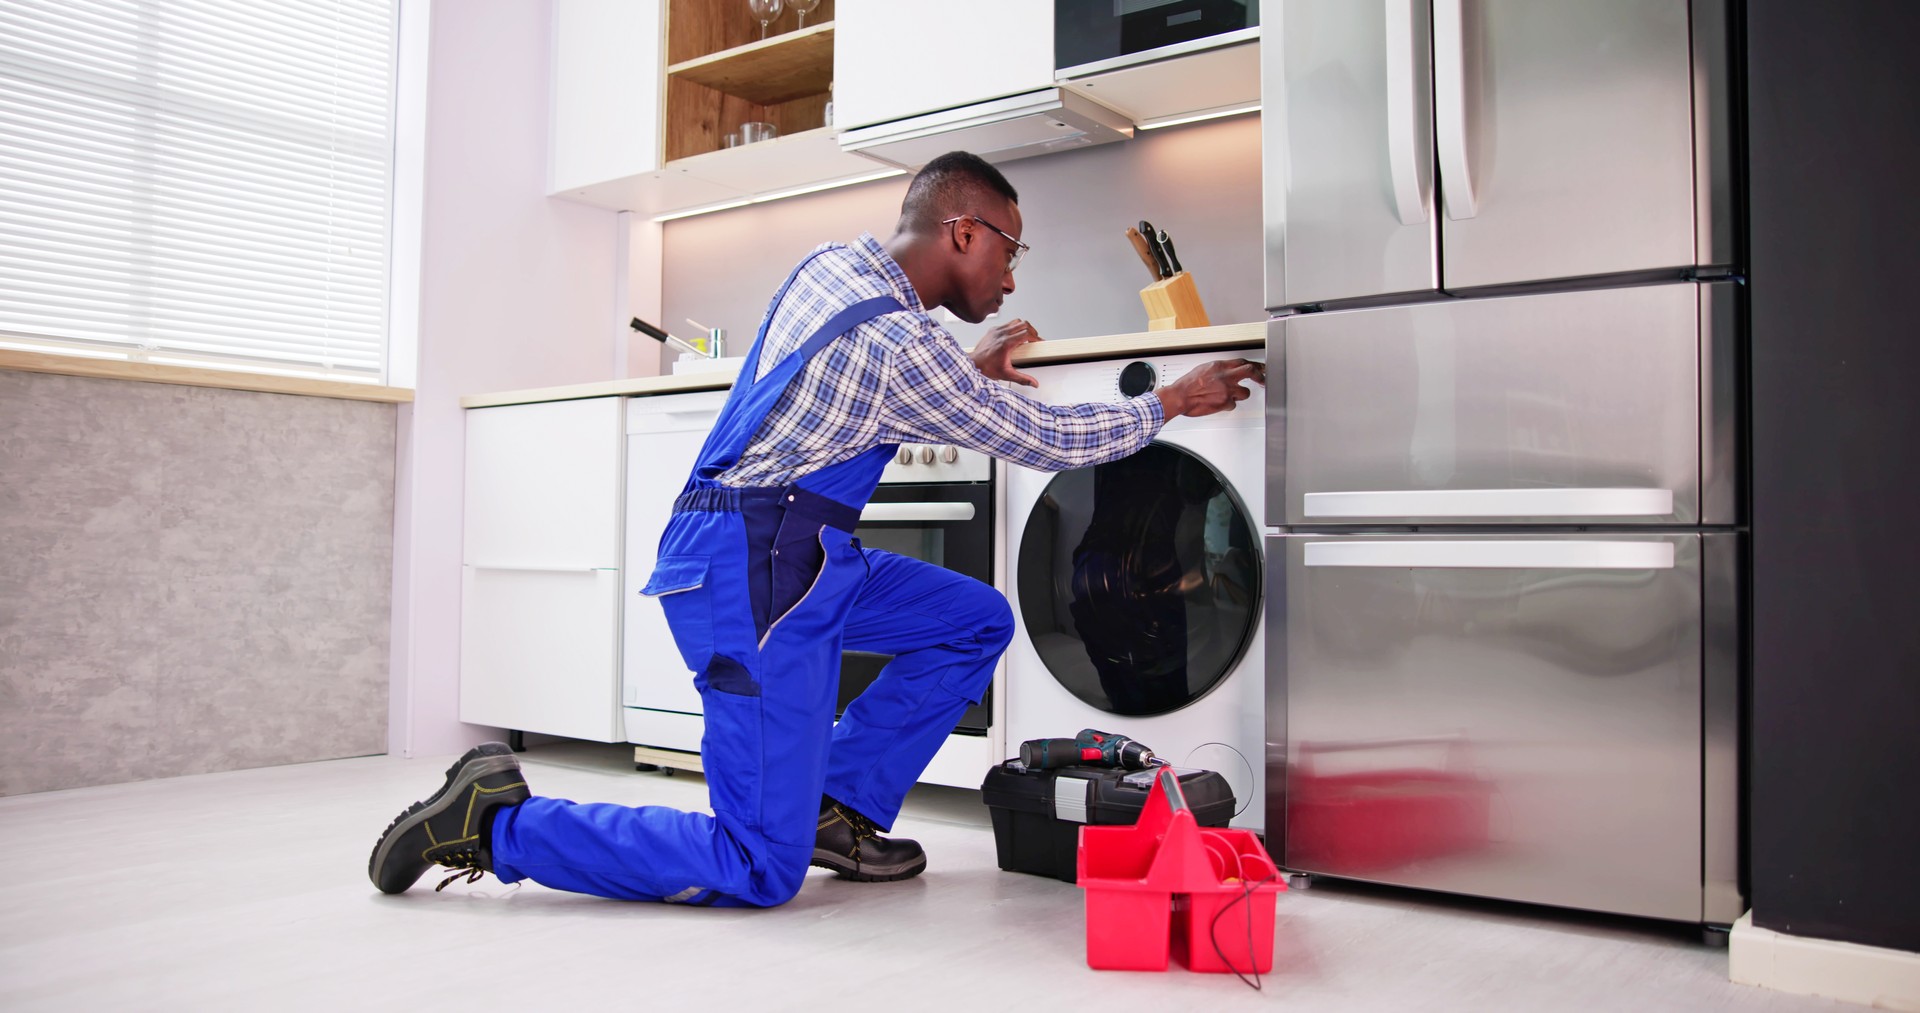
(607,97)
(543,485)
(539,612)
(645,92)
(892,60)
(539,651)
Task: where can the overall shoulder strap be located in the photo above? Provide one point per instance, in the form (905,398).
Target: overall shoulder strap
(750,369)
(747,409)
(844,321)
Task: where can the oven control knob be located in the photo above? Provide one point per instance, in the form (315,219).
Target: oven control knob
(951,455)
(1137,379)
(926,455)
(905,456)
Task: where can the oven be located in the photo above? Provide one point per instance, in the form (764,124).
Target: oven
(1097,31)
(935,504)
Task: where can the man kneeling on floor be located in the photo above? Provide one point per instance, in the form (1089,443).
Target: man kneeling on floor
(764,584)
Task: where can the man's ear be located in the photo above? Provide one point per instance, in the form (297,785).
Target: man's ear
(964,233)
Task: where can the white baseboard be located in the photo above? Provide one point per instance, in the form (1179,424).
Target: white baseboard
(1850,972)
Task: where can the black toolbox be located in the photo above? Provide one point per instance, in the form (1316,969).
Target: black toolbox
(1037,814)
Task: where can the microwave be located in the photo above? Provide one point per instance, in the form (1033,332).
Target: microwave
(1124,31)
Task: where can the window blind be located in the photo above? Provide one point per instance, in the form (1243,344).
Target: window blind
(198,182)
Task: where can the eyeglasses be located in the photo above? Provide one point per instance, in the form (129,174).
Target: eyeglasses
(1019,248)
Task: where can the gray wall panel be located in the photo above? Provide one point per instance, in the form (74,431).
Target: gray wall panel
(1836,471)
(191,579)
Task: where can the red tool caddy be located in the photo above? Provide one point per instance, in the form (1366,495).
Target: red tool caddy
(1166,887)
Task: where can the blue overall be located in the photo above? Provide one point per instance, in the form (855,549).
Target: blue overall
(763,589)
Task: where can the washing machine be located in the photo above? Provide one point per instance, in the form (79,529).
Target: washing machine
(1137,584)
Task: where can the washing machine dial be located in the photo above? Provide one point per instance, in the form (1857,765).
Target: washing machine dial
(1137,379)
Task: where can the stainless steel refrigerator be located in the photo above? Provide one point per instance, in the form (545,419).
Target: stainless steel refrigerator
(1504,523)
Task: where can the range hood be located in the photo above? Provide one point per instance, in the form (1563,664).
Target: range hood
(1035,123)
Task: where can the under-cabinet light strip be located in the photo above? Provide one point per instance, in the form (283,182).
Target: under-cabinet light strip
(817,187)
(707,209)
(1211,114)
(779,195)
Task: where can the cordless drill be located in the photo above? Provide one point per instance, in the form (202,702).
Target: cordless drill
(1092,748)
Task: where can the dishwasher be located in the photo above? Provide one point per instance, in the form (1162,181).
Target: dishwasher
(662,709)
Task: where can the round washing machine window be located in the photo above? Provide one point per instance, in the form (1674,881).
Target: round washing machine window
(1139,580)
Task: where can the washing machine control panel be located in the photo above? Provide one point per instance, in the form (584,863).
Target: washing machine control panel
(1137,378)
(1125,380)
(1116,381)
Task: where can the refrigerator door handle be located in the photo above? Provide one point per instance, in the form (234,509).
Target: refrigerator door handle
(1491,503)
(1494,554)
(1450,108)
(1407,164)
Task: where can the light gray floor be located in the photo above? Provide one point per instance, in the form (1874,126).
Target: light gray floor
(248,890)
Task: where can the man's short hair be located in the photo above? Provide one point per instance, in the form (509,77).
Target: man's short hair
(953,184)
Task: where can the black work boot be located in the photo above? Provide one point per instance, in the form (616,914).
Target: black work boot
(450,829)
(850,844)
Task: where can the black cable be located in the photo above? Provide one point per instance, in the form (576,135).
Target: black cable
(1213,931)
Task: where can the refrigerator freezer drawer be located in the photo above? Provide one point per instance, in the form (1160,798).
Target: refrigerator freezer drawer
(1578,407)
(1513,716)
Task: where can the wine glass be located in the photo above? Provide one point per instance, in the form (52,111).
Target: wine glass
(805,7)
(764,11)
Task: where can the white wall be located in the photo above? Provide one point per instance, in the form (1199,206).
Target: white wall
(1201,183)
(515,290)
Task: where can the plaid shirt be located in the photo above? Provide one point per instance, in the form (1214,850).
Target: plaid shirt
(902,378)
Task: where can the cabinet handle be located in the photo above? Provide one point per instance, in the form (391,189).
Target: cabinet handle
(1407,164)
(1491,554)
(1491,503)
(1453,132)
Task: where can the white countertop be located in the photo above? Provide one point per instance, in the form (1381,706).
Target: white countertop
(1111,346)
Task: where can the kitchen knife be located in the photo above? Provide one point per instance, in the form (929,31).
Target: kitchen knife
(1159,257)
(1166,247)
(1146,254)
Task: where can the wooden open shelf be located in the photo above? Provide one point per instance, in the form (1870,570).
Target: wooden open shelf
(720,73)
(783,68)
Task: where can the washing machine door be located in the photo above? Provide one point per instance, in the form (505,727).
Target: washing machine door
(1139,580)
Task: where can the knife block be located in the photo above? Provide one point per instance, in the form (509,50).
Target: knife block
(1173,303)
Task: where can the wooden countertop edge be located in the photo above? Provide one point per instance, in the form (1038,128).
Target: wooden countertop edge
(1113,346)
(147,372)
(1044,353)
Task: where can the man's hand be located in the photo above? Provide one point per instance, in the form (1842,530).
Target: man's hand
(1210,387)
(995,351)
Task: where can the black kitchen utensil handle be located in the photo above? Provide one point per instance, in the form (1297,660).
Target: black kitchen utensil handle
(1153,243)
(649,330)
(1166,247)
